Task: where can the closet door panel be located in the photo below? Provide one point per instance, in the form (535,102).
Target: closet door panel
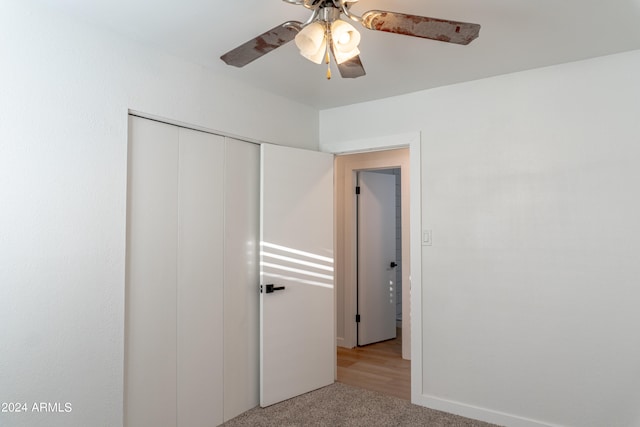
(150,308)
(241,279)
(200,279)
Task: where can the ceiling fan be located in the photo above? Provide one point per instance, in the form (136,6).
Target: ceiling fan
(324,31)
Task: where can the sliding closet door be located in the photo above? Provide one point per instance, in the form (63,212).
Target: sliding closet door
(200,279)
(174,292)
(152,248)
(241,279)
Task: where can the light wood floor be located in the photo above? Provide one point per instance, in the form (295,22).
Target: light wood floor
(378,367)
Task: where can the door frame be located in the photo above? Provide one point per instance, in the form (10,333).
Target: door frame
(412,140)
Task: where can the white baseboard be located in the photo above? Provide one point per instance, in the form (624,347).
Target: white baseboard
(477,413)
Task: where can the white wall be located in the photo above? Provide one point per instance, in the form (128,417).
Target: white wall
(65,89)
(529,293)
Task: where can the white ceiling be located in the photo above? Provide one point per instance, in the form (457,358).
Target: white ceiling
(515,35)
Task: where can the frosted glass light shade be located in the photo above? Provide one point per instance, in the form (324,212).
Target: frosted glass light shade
(312,42)
(345,41)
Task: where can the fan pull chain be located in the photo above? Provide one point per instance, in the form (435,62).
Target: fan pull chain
(328,65)
(327,60)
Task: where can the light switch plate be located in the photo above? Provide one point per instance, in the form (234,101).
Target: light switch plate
(426,238)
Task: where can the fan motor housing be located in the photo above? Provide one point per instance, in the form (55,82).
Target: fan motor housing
(329,14)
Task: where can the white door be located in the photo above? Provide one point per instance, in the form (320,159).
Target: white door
(376,257)
(297,333)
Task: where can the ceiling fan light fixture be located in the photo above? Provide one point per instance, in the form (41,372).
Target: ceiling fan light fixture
(345,39)
(324,33)
(344,35)
(312,42)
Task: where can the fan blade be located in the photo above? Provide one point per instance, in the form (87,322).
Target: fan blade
(421,26)
(263,44)
(351,68)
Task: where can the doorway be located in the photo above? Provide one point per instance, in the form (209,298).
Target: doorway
(347,167)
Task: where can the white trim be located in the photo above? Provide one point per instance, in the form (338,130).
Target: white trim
(415,277)
(371,144)
(478,413)
(413,141)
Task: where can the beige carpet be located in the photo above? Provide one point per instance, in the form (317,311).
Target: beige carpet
(343,405)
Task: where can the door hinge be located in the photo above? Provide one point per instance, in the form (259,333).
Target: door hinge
(358,190)
(357,318)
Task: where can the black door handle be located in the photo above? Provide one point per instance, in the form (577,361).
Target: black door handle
(393,264)
(270,288)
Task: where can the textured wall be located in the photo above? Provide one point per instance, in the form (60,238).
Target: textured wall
(65,90)
(529,183)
